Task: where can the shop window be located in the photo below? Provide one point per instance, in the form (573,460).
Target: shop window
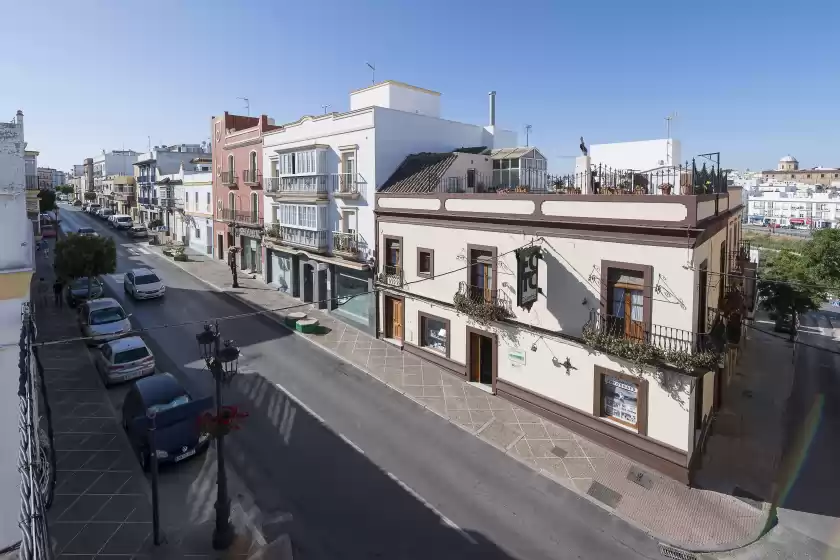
(425,262)
(434,334)
(621,398)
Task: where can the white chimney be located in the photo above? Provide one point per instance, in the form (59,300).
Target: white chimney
(492,108)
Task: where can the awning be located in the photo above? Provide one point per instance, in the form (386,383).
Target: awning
(797,220)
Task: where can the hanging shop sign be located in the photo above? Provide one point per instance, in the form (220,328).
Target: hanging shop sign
(527,269)
(249,232)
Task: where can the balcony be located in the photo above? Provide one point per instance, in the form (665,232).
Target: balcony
(241,217)
(252,178)
(655,345)
(481,304)
(347,185)
(147,201)
(31,183)
(391,275)
(229,179)
(348,245)
(311,240)
(146,179)
(305,187)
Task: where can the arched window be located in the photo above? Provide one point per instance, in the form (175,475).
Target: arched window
(255,207)
(231,202)
(253,163)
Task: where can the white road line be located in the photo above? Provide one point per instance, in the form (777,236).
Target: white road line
(402,484)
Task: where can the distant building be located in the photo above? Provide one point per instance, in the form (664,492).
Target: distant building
(156,202)
(792,208)
(30,161)
(788,170)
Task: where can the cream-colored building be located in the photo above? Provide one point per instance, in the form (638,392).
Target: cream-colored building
(635,275)
(788,170)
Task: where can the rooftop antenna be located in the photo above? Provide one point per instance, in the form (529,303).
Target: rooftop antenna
(247,105)
(668,153)
(149,140)
(372,72)
(325,107)
(527,135)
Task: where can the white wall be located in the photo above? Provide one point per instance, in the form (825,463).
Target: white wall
(401,97)
(642,155)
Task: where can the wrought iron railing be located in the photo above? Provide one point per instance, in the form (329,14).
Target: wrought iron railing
(346,184)
(391,275)
(347,243)
(229,178)
(665,339)
(307,185)
(251,177)
(245,217)
(482,304)
(309,239)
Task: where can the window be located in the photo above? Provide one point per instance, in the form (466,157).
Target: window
(481,273)
(349,221)
(252,162)
(393,251)
(195,201)
(434,333)
(303,216)
(425,262)
(197,233)
(230,164)
(231,202)
(255,206)
(624,300)
(621,398)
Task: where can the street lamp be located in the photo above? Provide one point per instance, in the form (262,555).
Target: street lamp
(223,363)
(232,252)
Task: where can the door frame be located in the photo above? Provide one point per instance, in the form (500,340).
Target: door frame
(385,314)
(494,339)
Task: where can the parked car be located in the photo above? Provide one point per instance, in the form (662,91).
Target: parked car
(786,323)
(48,231)
(138,231)
(87,231)
(77,291)
(178,434)
(121,221)
(124,359)
(93,208)
(101,320)
(105,213)
(142,283)
(77,202)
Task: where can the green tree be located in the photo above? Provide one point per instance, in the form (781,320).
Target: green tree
(90,196)
(81,256)
(47,200)
(821,256)
(65,189)
(788,286)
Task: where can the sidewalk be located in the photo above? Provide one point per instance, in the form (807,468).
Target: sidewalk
(688,518)
(102,505)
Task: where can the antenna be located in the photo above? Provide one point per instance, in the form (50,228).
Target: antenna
(668,154)
(247,105)
(325,107)
(527,135)
(149,139)
(372,72)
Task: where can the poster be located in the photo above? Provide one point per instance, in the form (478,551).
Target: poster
(620,399)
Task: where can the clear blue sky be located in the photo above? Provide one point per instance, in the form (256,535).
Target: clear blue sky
(754,80)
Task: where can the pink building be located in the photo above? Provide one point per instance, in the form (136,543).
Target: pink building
(237,186)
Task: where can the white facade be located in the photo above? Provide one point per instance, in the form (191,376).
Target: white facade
(17,264)
(116,162)
(198,209)
(149,167)
(639,156)
(800,210)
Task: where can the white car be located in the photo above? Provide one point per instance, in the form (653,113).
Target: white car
(124,359)
(121,221)
(142,283)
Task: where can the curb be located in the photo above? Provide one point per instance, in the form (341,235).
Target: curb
(273,315)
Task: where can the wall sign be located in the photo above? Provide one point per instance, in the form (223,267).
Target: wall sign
(249,232)
(527,276)
(516,357)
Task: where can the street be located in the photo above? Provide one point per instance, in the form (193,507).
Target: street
(346,466)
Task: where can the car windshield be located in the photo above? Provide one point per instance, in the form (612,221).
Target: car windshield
(146,279)
(82,283)
(124,219)
(177,401)
(132,355)
(85,230)
(139,229)
(106,315)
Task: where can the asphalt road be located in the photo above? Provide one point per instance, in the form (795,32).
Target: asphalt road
(410,485)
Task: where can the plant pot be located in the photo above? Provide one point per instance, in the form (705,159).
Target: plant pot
(665,189)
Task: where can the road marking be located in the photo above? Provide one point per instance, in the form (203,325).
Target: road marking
(402,484)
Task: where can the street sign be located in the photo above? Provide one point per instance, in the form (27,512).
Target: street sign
(527,276)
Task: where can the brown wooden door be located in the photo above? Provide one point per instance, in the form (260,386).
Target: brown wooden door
(396,319)
(632,328)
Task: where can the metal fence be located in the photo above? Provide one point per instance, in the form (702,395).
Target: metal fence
(664,338)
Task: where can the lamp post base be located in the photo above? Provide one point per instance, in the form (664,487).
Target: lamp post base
(223,533)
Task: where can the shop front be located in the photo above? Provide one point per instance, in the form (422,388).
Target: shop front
(353,298)
(250,256)
(281,271)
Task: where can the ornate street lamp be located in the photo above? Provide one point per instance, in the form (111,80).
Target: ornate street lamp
(232,252)
(223,363)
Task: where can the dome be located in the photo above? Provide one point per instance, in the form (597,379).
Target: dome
(788,159)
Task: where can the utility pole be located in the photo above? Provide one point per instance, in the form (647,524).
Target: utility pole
(247,105)
(668,151)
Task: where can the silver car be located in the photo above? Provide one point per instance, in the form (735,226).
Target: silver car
(102,320)
(124,359)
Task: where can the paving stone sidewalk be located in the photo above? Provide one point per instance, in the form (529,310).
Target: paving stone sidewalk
(689,518)
(102,503)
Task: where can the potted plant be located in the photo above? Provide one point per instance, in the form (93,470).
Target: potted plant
(665,188)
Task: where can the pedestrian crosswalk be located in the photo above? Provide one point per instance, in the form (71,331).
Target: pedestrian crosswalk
(136,250)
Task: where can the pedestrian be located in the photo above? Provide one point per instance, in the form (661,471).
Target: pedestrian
(58,288)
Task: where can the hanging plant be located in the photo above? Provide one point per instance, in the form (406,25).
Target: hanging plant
(480,310)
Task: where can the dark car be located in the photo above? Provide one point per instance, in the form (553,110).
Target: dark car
(77,203)
(87,231)
(786,323)
(178,433)
(77,291)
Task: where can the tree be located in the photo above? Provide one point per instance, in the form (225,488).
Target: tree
(788,286)
(65,189)
(47,200)
(821,256)
(90,195)
(82,256)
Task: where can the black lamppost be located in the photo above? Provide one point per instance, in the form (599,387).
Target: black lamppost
(222,361)
(232,263)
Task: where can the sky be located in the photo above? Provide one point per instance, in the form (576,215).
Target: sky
(752,80)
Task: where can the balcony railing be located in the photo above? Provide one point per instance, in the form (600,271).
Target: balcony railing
(248,218)
(655,344)
(391,275)
(482,304)
(145,179)
(229,178)
(347,244)
(148,200)
(252,177)
(347,185)
(312,186)
(31,183)
(313,240)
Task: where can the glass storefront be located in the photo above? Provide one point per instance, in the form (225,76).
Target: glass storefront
(347,285)
(281,271)
(433,334)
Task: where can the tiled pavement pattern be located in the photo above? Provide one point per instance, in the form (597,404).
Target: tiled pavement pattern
(102,503)
(687,517)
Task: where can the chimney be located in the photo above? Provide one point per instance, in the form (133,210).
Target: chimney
(492,108)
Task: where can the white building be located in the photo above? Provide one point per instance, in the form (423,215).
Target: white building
(639,156)
(113,163)
(797,209)
(618,336)
(190,191)
(161,160)
(17,264)
(322,173)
